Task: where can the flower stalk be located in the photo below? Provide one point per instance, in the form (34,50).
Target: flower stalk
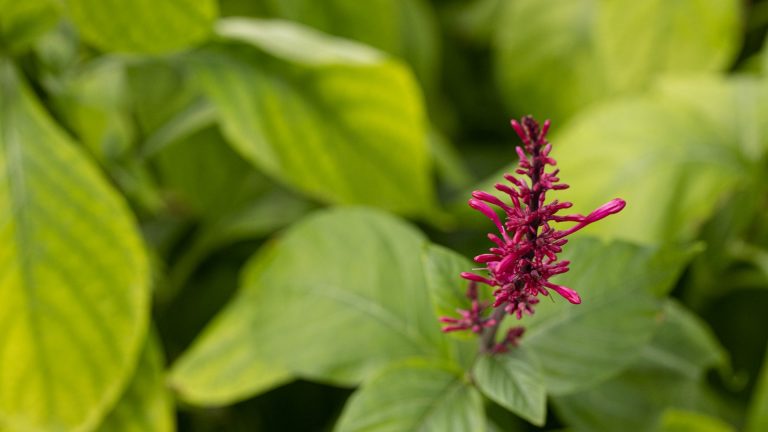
(524,256)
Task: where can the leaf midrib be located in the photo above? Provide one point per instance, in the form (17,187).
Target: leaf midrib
(365,307)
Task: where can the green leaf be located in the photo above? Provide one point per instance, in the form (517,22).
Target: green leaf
(166,104)
(93,101)
(447,289)
(617,281)
(449,164)
(74,275)
(637,397)
(225,374)
(544,57)
(474,20)
(734,107)
(636,41)
(764,57)
(663,154)
(667,374)
(257,218)
(514,381)
(22,22)
(192,119)
(710,274)
(143,26)
(414,396)
(553,57)
(685,343)
(404,28)
(336,120)
(757,418)
(675,420)
(448,292)
(336,297)
(146,405)
(179,167)
(252,206)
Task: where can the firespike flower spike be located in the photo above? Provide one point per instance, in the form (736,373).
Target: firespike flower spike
(525,256)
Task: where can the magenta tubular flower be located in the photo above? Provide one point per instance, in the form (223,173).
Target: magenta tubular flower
(524,256)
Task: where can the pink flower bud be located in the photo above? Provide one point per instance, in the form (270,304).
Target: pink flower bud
(611,207)
(569,294)
(524,257)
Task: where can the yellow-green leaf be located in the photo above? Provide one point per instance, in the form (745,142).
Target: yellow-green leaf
(146,405)
(73,275)
(338,296)
(336,120)
(143,26)
(416,395)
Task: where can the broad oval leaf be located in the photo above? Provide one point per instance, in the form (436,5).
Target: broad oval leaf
(553,57)
(637,397)
(579,346)
(404,28)
(143,26)
(335,298)
(657,152)
(666,374)
(673,154)
(74,278)
(684,343)
(414,396)
(146,404)
(514,381)
(337,120)
(734,107)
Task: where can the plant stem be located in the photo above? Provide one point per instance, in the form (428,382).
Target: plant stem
(488,339)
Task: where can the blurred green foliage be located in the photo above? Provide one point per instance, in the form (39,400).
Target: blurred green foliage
(248,214)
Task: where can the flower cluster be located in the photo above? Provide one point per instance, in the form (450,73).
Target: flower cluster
(524,256)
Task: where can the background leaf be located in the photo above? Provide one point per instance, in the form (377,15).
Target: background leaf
(404,28)
(666,374)
(336,120)
(143,26)
(22,22)
(684,343)
(74,275)
(655,152)
(198,168)
(146,405)
(732,106)
(757,419)
(683,421)
(554,57)
(414,396)
(362,316)
(251,207)
(94,104)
